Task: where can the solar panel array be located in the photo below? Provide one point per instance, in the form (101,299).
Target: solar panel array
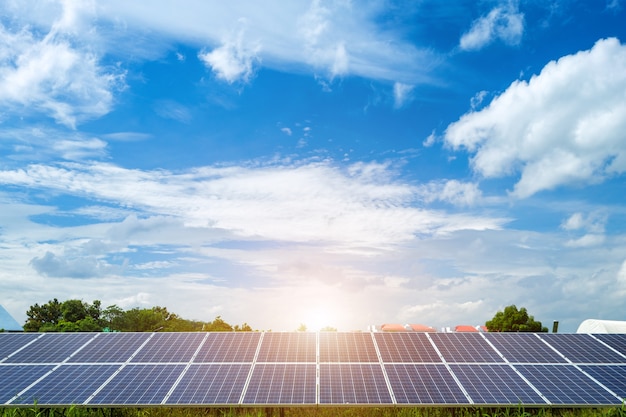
(328,368)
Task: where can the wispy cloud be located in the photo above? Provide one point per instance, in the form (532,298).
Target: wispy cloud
(564,126)
(504,23)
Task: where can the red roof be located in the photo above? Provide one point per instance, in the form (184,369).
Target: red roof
(422,328)
(392,327)
(465,328)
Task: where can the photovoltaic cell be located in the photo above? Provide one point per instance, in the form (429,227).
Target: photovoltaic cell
(17,377)
(405,347)
(611,376)
(353,384)
(110,348)
(495,384)
(424,384)
(228,347)
(169,347)
(465,347)
(211,384)
(524,348)
(275,383)
(139,384)
(51,348)
(346,347)
(288,347)
(582,348)
(69,384)
(10,342)
(616,341)
(564,384)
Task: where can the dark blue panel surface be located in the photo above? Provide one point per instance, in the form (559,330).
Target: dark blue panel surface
(139,384)
(69,384)
(211,384)
(424,384)
(465,347)
(616,341)
(288,347)
(524,348)
(281,384)
(110,347)
(347,347)
(582,348)
(17,377)
(495,384)
(51,348)
(611,376)
(169,347)
(564,384)
(228,347)
(353,384)
(405,347)
(10,342)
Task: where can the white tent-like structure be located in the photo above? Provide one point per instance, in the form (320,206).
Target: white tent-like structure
(602,326)
(8,323)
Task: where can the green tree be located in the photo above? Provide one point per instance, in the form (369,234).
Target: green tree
(68,316)
(514,320)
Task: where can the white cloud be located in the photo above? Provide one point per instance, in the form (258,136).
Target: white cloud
(234,59)
(564,126)
(452,191)
(286,131)
(401,94)
(430,140)
(504,23)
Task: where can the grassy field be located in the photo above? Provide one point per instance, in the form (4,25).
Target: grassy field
(312,411)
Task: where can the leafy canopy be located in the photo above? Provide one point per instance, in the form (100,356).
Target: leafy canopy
(514,320)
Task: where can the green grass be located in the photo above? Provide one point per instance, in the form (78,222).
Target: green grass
(35,411)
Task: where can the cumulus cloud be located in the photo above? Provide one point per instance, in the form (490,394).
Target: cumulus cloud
(503,23)
(564,126)
(53,73)
(451,191)
(56,266)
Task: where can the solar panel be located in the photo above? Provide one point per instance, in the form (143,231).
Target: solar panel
(288,347)
(110,348)
(495,384)
(524,348)
(138,385)
(275,383)
(329,368)
(68,384)
(615,341)
(406,347)
(170,347)
(424,384)
(211,384)
(465,347)
(51,348)
(564,384)
(582,348)
(353,384)
(15,378)
(347,347)
(11,342)
(228,347)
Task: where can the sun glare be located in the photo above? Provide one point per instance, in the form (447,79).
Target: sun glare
(318,319)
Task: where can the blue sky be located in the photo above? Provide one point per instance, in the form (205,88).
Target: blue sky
(333,163)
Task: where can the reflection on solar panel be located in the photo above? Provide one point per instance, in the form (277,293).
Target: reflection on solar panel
(328,368)
(281,384)
(406,347)
(288,347)
(347,347)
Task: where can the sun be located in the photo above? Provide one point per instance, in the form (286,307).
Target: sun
(317,319)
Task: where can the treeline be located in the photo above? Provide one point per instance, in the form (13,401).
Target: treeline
(80,316)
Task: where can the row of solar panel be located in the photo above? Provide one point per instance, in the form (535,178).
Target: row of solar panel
(312,348)
(294,384)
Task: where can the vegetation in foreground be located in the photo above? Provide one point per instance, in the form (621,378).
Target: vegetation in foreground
(314,412)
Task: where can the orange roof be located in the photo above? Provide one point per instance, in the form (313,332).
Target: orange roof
(392,327)
(465,328)
(422,328)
